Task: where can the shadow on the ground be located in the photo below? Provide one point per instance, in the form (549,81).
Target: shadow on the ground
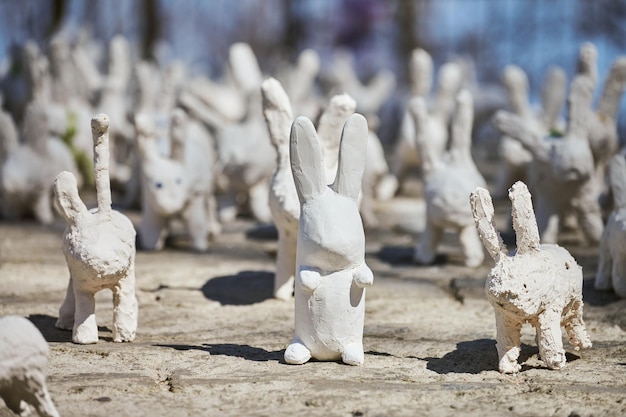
(246,352)
(476,356)
(594,297)
(263,232)
(403,255)
(244,288)
(46,325)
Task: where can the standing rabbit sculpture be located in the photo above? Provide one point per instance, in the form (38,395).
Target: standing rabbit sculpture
(561,172)
(540,284)
(99,247)
(448,180)
(331,273)
(283,197)
(612,253)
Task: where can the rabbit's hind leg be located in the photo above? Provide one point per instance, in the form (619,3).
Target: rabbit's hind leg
(125,309)
(67,309)
(575,326)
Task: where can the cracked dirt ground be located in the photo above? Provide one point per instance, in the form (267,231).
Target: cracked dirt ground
(210,340)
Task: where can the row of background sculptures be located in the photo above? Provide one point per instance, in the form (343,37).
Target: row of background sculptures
(198,149)
(184,142)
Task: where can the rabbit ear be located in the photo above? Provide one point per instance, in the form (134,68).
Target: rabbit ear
(579,102)
(461,141)
(307,164)
(617,179)
(421,73)
(351,157)
(553,96)
(67,200)
(178,134)
(524,221)
(613,89)
(277,112)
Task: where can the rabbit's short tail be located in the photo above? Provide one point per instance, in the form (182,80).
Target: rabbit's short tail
(100,134)
(482,208)
(613,89)
(524,221)
(617,179)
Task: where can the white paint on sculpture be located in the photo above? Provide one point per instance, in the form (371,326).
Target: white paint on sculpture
(99,248)
(540,284)
(612,254)
(331,273)
(448,180)
(283,197)
(23,367)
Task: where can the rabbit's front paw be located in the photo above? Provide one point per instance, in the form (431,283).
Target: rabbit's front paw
(363,276)
(309,278)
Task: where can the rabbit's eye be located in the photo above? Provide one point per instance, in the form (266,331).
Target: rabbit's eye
(158,185)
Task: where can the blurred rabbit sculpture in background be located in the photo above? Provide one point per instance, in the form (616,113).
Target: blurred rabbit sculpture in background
(612,253)
(283,197)
(331,273)
(448,180)
(540,284)
(561,172)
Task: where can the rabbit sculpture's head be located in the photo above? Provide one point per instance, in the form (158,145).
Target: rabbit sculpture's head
(165,182)
(572,160)
(331,234)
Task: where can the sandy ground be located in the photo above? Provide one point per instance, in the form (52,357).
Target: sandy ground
(210,340)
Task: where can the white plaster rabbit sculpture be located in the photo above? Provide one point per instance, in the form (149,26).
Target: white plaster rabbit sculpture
(514,158)
(245,151)
(331,273)
(406,156)
(180,186)
(99,247)
(23,365)
(561,173)
(28,169)
(612,254)
(283,197)
(603,136)
(448,180)
(540,284)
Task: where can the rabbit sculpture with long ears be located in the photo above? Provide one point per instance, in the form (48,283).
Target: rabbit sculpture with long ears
(540,284)
(283,197)
(448,180)
(612,258)
(99,247)
(561,172)
(331,273)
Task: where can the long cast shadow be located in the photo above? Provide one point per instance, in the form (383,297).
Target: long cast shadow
(594,297)
(403,255)
(244,288)
(246,352)
(46,325)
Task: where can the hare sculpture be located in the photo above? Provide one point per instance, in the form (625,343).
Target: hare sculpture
(23,365)
(283,197)
(448,180)
(612,258)
(561,172)
(99,247)
(540,284)
(331,273)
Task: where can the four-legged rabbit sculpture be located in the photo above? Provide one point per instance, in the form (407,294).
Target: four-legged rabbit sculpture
(99,247)
(540,284)
(331,273)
